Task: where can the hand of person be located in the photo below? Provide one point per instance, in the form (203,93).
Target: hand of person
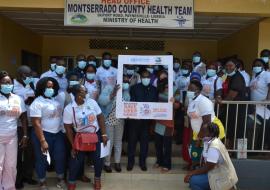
(187,178)
(44,146)
(172,99)
(73,153)
(23,143)
(114,92)
(104,140)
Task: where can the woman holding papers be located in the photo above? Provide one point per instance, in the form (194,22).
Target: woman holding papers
(84,117)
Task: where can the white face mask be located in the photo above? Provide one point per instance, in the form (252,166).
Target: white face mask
(190,95)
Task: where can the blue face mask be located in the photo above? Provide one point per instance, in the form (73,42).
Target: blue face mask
(150,70)
(176,66)
(6,88)
(130,72)
(184,71)
(53,66)
(90,76)
(107,63)
(60,70)
(73,82)
(92,63)
(156,67)
(265,59)
(196,59)
(146,81)
(190,95)
(137,69)
(165,66)
(211,72)
(82,64)
(49,92)
(125,86)
(231,74)
(27,80)
(257,69)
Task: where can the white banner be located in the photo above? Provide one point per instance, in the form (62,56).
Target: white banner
(144,110)
(166,14)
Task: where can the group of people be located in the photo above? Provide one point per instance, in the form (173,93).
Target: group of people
(64,116)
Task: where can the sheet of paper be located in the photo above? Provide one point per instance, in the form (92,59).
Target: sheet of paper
(47,154)
(105,150)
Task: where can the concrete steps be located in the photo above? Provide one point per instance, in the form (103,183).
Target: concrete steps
(152,179)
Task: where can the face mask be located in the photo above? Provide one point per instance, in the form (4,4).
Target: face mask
(156,67)
(53,65)
(257,69)
(265,59)
(6,88)
(211,72)
(231,74)
(92,63)
(107,63)
(150,70)
(49,92)
(73,82)
(145,81)
(130,72)
(90,76)
(196,59)
(137,69)
(184,71)
(60,70)
(190,95)
(176,65)
(206,139)
(81,64)
(125,86)
(165,66)
(27,80)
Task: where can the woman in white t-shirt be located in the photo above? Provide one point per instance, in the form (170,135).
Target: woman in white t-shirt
(12,108)
(212,84)
(84,116)
(90,83)
(217,171)
(48,139)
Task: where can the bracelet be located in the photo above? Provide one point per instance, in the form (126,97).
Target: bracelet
(105,135)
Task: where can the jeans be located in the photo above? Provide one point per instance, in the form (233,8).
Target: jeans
(199,182)
(57,150)
(76,163)
(25,159)
(138,130)
(163,150)
(115,135)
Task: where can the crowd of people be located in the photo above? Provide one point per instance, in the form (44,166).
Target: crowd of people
(63,117)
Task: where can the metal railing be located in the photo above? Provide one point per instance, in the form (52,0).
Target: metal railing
(246,120)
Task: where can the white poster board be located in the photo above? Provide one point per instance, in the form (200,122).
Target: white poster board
(169,14)
(144,110)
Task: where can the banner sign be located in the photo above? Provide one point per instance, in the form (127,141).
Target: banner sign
(144,110)
(166,14)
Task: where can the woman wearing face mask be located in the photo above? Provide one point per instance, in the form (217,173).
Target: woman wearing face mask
(92,60)
(133,76)
(212,84)
(176,68)
(48,139)
(201,113)
(260,91)
(84,116)
(236,91)
(12,108)
(217,171)
(90,82)
(198,65)
(164,130)
(115,129)
(106,74)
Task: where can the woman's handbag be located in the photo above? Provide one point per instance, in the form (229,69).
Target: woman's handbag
(84,141)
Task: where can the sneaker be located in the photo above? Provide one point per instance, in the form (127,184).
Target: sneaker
(117,167)
(43,187)
(61,185)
